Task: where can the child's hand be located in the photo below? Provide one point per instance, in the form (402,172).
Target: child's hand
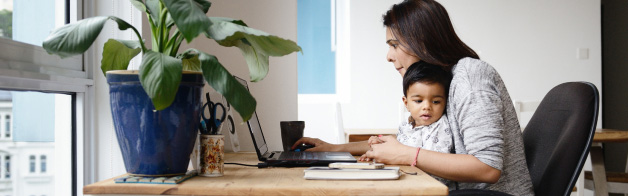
(364,158)
(375,140)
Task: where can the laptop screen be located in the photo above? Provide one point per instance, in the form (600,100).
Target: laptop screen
(256,133)
(255,127)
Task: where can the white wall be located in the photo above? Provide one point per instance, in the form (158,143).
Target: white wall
(276,95)
(532,44)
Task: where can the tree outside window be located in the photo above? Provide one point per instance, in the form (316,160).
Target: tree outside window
(6,23)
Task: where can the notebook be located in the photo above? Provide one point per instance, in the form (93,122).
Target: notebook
(291,158)
(326,173)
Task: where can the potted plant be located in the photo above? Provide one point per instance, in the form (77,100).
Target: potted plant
(156,108)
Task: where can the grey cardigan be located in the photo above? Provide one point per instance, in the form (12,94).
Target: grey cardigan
(484,124)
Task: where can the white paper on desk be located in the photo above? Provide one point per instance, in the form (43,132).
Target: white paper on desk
(326,173)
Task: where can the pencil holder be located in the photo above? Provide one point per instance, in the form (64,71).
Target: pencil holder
(212,162)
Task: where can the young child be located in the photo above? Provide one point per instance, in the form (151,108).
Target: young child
(425,89)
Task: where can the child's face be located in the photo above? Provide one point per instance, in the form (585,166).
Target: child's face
(426,102)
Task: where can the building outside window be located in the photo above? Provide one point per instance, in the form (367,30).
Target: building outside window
(7,127)
(42,160)
(7,166)
(32,164)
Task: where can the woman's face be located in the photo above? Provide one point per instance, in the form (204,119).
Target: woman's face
(398,55)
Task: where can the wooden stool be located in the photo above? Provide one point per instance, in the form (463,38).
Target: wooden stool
(601,181)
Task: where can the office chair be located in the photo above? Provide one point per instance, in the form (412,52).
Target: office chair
(557,139)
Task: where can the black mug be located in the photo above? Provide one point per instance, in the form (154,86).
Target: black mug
(291,131)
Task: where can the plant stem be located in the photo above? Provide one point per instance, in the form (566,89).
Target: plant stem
(160,33)
(171,48)
(152,31)
(140,38)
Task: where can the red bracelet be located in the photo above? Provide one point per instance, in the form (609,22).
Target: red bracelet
(416,156)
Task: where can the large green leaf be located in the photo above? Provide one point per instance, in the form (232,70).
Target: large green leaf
(117,54)
(204,5)
(189,16)
(190,62)
(257,62)
(76,38)
(153,9)
(224,83)
(160,76)
(139,5)
(272,45)
(256,46)
(225,31)
(169,21)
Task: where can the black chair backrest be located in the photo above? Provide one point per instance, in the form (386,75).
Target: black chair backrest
(558,137)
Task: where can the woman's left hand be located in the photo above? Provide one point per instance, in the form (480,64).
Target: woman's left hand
(391,151)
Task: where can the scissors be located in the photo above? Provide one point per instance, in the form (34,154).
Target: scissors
(209,126)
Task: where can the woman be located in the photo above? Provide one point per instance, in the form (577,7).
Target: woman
(488,148)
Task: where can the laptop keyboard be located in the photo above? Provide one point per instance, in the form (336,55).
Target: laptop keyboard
(304,155)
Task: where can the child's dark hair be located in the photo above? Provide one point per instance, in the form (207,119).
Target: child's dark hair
(426,73)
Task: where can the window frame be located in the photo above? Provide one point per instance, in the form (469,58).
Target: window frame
(31,68)
(7,166)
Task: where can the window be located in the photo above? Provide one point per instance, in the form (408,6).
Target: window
(7,127)
(323,71)
(7,167)
(317,67)
(29,75)
(34,145)
(32,164)
(42,160)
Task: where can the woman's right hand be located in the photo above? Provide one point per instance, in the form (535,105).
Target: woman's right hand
(391,151)
(319,145)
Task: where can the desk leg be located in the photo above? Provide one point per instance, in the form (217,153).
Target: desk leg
(599,172)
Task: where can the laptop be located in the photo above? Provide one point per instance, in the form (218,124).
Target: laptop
(291,158)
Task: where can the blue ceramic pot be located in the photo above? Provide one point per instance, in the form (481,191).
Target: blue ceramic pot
(156,143)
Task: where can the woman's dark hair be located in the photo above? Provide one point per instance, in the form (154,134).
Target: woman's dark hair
(424,72)
(423,26)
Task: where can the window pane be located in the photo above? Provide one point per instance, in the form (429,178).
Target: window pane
(7,128)
(40,146)
(317,66)
(30,21)
(43,163)
(7,167)
(32,164)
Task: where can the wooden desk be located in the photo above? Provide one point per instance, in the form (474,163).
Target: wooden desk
(355,135)
(241,180)
(600,183)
